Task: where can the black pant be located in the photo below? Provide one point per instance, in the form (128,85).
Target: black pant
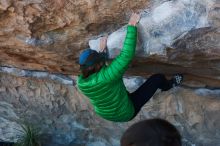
(147,90)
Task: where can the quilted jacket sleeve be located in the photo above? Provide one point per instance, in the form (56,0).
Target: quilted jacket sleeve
(120,64)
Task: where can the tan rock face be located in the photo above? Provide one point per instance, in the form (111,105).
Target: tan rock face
(48,34)
(66,117)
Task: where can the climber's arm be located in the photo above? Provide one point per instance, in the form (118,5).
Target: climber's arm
(120,64)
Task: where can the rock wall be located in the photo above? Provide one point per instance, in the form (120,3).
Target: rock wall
(45,37)
(48,34)
(62,115)
(175,36)
(66,118)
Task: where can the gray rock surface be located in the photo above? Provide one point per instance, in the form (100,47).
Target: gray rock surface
(161,25)
(40,41)
(175,36)
(65,117)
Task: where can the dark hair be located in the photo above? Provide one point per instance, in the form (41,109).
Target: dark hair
(86,72)
(153,132)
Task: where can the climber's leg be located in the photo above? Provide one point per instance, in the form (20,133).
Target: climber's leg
(147,90)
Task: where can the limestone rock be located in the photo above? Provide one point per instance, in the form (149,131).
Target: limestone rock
(48,34)
(65,116)
(175,36)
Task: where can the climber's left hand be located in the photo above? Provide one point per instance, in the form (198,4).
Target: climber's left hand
(103,44)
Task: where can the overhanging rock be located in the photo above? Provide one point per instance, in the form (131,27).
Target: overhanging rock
(176,36)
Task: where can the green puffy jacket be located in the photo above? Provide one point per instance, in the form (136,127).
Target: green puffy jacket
(106,89)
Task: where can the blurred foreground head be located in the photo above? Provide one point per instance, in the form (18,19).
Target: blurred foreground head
(153,132)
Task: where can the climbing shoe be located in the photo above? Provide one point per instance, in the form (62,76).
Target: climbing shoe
(177,80)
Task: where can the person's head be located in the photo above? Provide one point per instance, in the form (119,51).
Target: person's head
(153,132)
(90,62)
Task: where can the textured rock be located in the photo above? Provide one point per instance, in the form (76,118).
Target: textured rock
(193,114)
(48,34)
(60,112)
(175,37)
(161,25)
(214,15)
(66,118)
(63,79)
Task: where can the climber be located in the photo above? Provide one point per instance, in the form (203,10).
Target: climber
(151,132)
(103,84)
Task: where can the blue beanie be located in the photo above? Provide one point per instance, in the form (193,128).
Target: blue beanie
(89,57)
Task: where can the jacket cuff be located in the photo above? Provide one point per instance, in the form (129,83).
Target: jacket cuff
(131,28)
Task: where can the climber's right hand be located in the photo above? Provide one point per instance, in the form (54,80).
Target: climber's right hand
(134,19)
